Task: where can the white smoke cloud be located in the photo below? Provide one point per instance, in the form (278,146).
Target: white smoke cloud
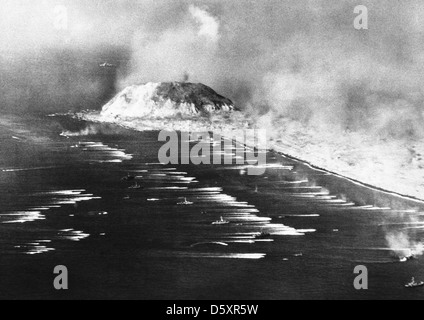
(403,246)
(187,49)
(209,25)
(301,58)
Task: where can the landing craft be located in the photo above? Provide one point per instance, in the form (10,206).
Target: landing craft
(221,222)
(405,259)
(263,236)
(414,284)
(136,186)
(106,65)
(409,257)
(185,203)
(128,178)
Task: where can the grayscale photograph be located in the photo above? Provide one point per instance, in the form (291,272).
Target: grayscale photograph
(211,150)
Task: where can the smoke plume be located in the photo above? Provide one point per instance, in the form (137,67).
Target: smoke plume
(301,60)
(403,246)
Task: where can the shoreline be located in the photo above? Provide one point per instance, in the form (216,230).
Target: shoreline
(357,182)
(194,125)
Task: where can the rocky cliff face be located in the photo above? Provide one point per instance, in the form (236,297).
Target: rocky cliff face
(169,99)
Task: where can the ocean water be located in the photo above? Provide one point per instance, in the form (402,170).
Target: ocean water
(64,201)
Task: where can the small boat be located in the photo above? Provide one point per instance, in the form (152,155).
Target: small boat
(414,284)
(223,244)
(407,258)
(135,186)
(128,178)
(106,65)
(185,203)
(221,222)
(263,235)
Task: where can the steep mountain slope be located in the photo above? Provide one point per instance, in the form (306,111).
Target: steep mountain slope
(167,99)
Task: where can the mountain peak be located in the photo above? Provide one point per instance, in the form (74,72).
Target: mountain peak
(166,99)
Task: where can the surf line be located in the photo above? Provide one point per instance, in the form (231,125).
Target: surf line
(224,150)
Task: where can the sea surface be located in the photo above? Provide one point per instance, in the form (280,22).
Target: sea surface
(95,198)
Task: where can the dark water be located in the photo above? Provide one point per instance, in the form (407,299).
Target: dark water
(63,202)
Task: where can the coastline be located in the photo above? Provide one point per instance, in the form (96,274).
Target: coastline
(227,127)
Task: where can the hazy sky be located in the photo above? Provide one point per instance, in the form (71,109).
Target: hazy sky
(292,57)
